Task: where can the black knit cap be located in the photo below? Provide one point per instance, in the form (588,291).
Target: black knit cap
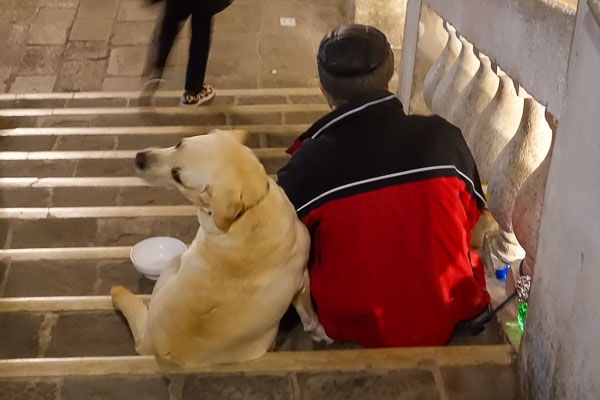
(353,49)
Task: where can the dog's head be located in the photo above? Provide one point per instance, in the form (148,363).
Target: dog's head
(215,172)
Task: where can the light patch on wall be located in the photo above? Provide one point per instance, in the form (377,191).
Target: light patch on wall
(287,21)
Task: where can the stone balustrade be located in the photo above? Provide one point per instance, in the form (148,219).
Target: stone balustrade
(503,124)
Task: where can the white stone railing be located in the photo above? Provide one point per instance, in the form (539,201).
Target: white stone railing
(552,53)
(453,54)
(530,40)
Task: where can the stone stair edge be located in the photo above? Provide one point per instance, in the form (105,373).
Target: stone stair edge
(55,182)
(160,93)
(37,213)
(225,108)
(65,253)
(60,303)
(106,154)
(159,130)
(425,358)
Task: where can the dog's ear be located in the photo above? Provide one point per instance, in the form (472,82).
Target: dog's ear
(238,135)
(226,205)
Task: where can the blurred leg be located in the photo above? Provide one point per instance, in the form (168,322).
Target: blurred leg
(174,14)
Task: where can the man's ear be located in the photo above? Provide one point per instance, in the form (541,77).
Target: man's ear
(323,91)
(238,135)
(226,205)
(329,99)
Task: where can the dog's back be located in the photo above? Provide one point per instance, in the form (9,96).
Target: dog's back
(226,301)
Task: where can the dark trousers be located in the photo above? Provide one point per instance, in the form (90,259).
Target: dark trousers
(175,13)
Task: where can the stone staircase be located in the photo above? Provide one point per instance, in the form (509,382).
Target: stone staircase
(71,207)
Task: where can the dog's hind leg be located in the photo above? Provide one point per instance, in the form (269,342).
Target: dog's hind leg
(305,310)
(135,312)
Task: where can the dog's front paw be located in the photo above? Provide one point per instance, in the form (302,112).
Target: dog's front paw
(118,291)
(317,333)
(118,294)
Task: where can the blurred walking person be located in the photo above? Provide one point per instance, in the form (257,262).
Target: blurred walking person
(174,15)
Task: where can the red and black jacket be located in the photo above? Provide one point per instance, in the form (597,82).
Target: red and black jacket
(389,200)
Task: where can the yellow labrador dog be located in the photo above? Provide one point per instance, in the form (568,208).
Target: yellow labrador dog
(221,301)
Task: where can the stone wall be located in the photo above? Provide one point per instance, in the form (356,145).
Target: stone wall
(386,15)
(560,356)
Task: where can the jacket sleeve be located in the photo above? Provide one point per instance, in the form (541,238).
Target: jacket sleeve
(472,210)
(295,181)
(472,198)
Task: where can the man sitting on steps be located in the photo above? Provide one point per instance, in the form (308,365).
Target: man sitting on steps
(389,200)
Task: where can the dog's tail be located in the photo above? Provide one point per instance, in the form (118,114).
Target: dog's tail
(134,311)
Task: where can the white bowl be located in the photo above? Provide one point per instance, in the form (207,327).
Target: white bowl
(152,255)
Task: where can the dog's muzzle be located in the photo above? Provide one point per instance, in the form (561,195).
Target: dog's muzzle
(141,160)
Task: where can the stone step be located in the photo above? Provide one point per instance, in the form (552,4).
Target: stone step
(161,98)
(94,226)
(52,332)
(75,279)
(67,326)
(68,300)
(97,163)
(134,138)
(85,192)
(162,116)
(83,271)
(469,372)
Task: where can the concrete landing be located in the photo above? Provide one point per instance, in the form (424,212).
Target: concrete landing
(447,373)
(91,45)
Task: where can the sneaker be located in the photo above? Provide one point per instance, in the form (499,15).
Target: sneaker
(148,90)
(195,99)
